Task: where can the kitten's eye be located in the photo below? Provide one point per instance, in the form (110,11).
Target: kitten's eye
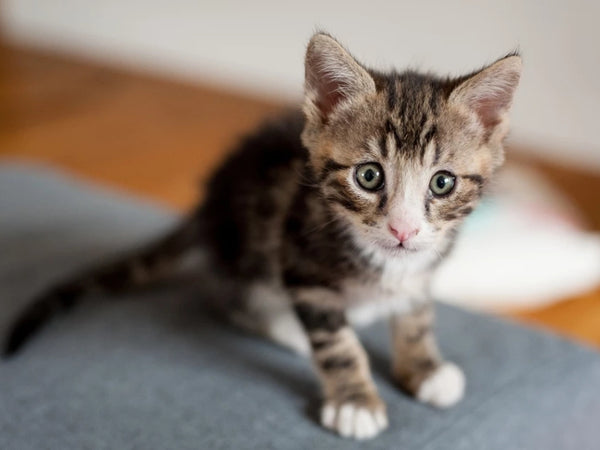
(442,183)
(370,176)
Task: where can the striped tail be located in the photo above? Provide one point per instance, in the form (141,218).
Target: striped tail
(159,260)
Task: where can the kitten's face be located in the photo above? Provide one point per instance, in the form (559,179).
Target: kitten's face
(403,179)
(403,158)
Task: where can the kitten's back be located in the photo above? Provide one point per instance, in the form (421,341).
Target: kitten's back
(249,197)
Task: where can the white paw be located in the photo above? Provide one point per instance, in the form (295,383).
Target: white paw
(353,420)
(444,387)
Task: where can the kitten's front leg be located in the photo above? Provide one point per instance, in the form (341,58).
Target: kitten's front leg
(417,364)
(352,406)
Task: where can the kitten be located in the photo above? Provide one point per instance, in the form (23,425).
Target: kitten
(338,216)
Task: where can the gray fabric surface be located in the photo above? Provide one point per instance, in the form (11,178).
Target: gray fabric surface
(151,371)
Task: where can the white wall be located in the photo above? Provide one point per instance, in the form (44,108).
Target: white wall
(258,45)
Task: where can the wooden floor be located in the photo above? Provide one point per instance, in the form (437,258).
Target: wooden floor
(160,138)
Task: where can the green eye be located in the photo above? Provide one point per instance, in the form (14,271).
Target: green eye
(442,183)
(369,176)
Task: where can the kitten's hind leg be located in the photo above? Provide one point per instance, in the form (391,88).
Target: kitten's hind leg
(268,312)
(418,366)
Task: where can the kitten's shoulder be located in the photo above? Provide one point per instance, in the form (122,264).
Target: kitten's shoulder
(276,141)
(263,157)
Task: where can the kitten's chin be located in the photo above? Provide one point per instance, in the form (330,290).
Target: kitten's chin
(385,250)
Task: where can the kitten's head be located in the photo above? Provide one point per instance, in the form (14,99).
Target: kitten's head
(403,157)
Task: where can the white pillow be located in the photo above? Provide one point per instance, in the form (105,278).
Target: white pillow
(524,246)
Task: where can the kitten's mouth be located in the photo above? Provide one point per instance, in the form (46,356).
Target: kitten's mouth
(399,249)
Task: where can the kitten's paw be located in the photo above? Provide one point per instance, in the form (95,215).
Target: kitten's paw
(355,419)
(444,387)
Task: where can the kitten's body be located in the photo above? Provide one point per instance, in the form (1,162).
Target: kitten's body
(304,242)
(290,238)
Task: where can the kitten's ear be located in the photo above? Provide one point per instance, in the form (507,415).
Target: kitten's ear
(333,76)
(489,93)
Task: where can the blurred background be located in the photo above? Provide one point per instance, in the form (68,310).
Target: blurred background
(148,96)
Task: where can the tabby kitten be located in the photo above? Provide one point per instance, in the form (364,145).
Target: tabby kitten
(338,216)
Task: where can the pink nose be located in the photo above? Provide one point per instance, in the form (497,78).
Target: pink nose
(403,234)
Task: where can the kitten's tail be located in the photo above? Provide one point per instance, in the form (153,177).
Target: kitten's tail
(139,268)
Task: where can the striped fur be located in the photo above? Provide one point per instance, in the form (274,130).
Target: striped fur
(288,227)
(141,267)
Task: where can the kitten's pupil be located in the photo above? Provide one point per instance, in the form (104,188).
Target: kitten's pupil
(441,182)
(369,175)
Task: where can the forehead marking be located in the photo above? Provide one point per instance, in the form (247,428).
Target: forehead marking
(428,133)
(383,146)
(392,95)
(432,153)
(392,132)
(438,153)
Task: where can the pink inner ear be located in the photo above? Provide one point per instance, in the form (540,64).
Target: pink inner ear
(330,94)
(489,109)
(333,75)
(489,92)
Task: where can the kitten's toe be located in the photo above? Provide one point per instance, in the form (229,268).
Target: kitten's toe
(354,420)
(444,387)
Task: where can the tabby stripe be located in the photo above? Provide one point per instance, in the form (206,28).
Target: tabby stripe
(438,154)
(429,134)
(427,206)
(426,138)
(403,106)
(424,364)
(330,167)
(315,317)
(350,391)
(424,118)
(465,211)
(322,343)
(383,201)
(343,196)
(369,222)
(433,103)
(383,148)
(475,178)
(345,202)
(392,95)
(391,129)
(336,363)
(420,142)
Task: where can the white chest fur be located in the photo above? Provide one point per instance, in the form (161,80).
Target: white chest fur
(402,286)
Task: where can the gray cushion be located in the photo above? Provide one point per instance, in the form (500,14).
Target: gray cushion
(153,371)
